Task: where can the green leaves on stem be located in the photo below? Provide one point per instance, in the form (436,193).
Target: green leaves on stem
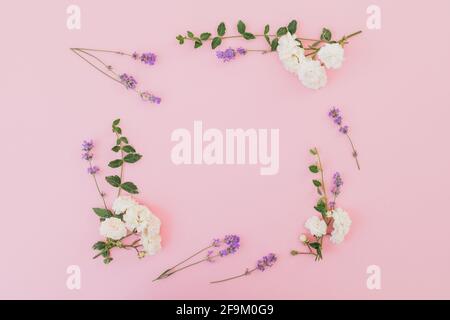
(103,213)
(128,155)
(326,35)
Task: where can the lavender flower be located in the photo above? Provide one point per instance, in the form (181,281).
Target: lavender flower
(147,96)
(128,81)
(229,54)
(87,156)
(93,170)
(216,243)
(266,262)
(335,115)
(148,58)
(87,145)
(135,56)
(337,184)
(261,265)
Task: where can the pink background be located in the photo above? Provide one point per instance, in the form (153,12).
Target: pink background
(393,90)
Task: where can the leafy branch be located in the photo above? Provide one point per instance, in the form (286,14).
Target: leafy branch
(128,154)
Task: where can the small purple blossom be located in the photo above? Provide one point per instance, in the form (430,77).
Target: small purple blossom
(87,156)
(87,145)
(128,81)
(338,120)
(209,256)
(148,58)
(337,184)
(266,262)
(343,129)
(335,115)
(216,243)
(93,170)
(332,205)
(135,56)
(147,96)
(230,53)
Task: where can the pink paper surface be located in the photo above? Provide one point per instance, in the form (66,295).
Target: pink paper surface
(394,93)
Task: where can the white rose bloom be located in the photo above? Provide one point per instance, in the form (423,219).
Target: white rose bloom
(303,238)
(341,225)
(139,218)
(113,228)
(312,74)
(290,53)
(122,204)
(316,226)
(150,244)
(332,55)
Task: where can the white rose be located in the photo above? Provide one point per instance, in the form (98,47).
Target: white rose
(332,55)
(316,226)
(312,74)
(139,218)
(341,225)
(113,228)
(150,244)
(122,204)
(303,238)
(290,53)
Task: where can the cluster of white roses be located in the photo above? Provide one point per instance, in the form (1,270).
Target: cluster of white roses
(318,227)
(137,219)
(311,72)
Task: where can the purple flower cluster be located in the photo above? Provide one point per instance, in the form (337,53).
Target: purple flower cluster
(335,115)
(128,81)
(266,262)
(147,96)
(87,155)
(337,184)
(230,53)
(147,58)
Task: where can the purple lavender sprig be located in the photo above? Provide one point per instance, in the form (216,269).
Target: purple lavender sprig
(128,81)
(87,154)
(230,54)
(261,265)
(218,248)
(335,115)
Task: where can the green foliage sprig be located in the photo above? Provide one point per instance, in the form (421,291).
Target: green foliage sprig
(271,38)
(128,154)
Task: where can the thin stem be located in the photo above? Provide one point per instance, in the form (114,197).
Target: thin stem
(187,259)
(168,274)
(101,50)
(246,273)
(322,179)
(121,167)
(355,154)
(98,188)
(95,67)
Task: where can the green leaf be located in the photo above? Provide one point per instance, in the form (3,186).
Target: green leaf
(100,245)
(314,169)
(102,213)
(197,44)
(292,26)
(321,207)
(115,163)
(128,149)
(317,183)
(124,139)
(326,34)
(190,34)
(266,29)
(116,148)
(205,36)
(313,152)
(282,31)
(113,180)
(274,44)
(117,130)
(107,260)
(248,36)
(216,42)
(116,122)
(221,29)
(241,27)
(180,39)
(315,245)
(132,157)
(129,187)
